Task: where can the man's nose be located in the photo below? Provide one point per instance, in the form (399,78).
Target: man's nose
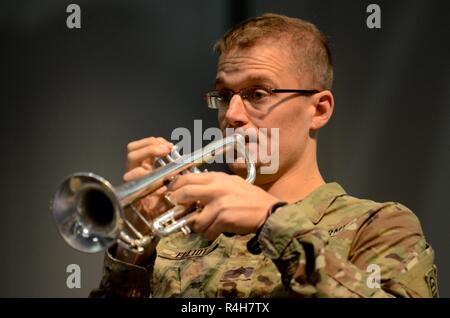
(236,114)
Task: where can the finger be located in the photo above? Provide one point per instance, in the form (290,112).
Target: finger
(163,141)
(147,164)
(191,178)
(213,231)
(154,204)
(161,191)
(135,173)
(202,220)
(136,157)
(192,193)
(138,144)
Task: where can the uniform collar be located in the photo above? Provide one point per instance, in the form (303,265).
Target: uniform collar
(317,202)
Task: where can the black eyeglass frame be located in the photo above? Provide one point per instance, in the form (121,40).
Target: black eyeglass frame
(210,95)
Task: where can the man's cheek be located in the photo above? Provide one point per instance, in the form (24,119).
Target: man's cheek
(221,120)
(269,151)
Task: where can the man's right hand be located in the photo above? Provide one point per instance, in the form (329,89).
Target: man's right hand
(141,156)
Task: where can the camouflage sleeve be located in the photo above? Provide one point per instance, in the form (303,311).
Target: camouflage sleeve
(121,279)
(390,239)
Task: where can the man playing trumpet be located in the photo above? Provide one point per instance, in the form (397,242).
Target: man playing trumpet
(296,235)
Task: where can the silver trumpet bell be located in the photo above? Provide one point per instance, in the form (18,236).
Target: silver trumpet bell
(89,211)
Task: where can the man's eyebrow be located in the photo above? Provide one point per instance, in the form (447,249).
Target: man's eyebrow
(218,81)
(250,79)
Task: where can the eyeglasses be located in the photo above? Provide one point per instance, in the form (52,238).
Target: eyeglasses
(257,96)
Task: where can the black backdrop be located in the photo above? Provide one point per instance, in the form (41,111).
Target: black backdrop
(72,99)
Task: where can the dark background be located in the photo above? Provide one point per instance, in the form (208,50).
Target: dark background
(72,99)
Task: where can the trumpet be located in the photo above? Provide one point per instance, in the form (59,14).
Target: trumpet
(89,211)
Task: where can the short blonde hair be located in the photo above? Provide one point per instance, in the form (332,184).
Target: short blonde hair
(309,47)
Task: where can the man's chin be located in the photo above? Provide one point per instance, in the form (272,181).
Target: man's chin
(238,168)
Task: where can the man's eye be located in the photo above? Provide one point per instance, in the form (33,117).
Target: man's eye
(258,95)
(225,96)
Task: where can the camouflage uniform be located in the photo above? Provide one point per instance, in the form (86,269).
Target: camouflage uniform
(322,246)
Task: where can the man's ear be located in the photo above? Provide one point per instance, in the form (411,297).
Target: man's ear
(324,105)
